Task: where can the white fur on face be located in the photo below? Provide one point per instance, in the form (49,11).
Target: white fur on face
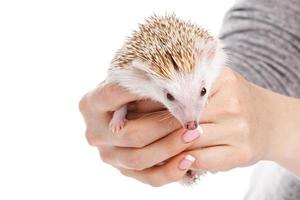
(185,88)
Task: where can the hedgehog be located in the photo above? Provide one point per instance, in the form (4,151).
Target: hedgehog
(171,61)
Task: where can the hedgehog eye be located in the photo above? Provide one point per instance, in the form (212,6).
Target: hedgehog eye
(203,91)
(170,97)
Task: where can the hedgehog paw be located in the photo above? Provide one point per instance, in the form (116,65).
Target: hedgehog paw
(118,120)
(117,124)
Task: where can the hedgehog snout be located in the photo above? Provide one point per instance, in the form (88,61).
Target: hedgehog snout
(191,125)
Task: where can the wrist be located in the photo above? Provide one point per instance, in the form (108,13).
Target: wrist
(282,122)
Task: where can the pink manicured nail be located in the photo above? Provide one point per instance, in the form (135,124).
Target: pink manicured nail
(186,162)
(189,136)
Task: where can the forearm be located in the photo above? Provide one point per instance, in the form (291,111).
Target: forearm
(283,118)
(263,44)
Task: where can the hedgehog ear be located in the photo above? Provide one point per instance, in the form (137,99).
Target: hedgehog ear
(141,68)
(206,49)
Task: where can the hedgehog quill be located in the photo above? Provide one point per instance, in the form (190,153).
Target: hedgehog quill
(171,61)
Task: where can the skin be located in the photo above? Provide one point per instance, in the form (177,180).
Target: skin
(242,124)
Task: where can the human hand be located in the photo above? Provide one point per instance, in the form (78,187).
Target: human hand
(131,148)
(240,126)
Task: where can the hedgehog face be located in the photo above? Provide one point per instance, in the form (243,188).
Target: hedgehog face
(185,97)
(185,94)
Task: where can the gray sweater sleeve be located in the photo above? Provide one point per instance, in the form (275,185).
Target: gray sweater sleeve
(262,38)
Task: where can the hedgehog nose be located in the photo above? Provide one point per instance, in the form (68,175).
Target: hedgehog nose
(191,125)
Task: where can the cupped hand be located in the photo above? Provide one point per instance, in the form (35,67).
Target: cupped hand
(137,147)
(238,129)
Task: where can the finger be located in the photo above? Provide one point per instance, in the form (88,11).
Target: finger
(94,106)
(215,134)
(157,152)
(147,129)
(157,176)
(168,146)
(109,97)
(217,158)
(145,106)
(136,132)
(136,115)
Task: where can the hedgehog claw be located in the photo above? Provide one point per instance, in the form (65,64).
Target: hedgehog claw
(118,120)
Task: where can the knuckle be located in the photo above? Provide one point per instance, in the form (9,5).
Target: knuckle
(107,90)
(234,106)
(91,138)
(133,161)
(83,104)
(132,138)
(246,154)
(154,184)
(124,172)
(171,176)
(135,141)
(203,163)
(243,128)
(232,76)
(198,164)
(104,157)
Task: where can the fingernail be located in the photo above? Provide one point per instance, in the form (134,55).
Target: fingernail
(186,162)
(131,106)
(190,136)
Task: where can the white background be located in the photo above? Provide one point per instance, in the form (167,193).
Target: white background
(51,53)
